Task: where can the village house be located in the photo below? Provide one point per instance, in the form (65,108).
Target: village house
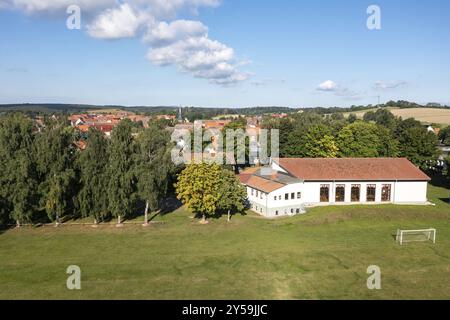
(279,115)
(288,186)
(166,117)
(104,122)
(211,124)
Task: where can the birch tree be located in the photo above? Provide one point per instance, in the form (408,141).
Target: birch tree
(153,165)
(17,178)
(93,162)
(121,184)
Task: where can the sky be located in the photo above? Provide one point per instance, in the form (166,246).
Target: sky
(224,53)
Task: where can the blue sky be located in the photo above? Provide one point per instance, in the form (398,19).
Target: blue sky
(229,53)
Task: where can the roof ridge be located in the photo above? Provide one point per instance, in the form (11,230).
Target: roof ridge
(276,181)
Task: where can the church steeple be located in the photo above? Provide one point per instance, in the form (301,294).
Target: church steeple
(180,115)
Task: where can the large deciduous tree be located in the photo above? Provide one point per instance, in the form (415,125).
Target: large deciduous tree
(55,157)
(198,188)
(121,184)
(17,178)
(359,139)
(388,145)
(317,141)
(365,140)
(235,133)
(93,163)
(382,117)
(444,136)
(419,146)
(153,166)
(232,194)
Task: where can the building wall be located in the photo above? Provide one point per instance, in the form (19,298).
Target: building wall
(411,192)
(266,205)
(401,192)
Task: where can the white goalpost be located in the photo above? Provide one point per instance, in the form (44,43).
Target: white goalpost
(404,236)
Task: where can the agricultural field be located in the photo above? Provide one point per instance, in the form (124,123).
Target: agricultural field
(321,255)
(426,115)
(110,111)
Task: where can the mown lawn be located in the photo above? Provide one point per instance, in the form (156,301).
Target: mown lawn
(321,255)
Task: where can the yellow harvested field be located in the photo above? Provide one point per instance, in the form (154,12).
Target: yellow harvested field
(425,114)
(429,115)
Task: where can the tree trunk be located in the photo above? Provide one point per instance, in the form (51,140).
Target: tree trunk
(146,215)
(17,224)
(119,222)
(57,221)
(229,217)
(204,218)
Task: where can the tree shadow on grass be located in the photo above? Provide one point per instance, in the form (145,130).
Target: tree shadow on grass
(169,205)
(439,181)
(3,229)
(224,213)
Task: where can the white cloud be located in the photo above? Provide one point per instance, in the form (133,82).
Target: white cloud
(339,90)
(328,85)
(199,55)
(165,33)
(48,6)
(182,43)
(117,23)
(381,85)
(158,8)
(168,9)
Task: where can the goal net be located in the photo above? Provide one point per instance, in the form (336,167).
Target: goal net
(404,236)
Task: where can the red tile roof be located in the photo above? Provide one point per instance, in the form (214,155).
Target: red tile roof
(262,184)
(210,124)
(345,169)
(247,173)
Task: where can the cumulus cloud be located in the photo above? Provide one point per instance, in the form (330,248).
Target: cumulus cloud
(118,23)
(201,56)
(328,85)
(381,85)
(339,90)
(178,42)
(49,6)
(165,33)
(186,44)
(159,8)
(168,9)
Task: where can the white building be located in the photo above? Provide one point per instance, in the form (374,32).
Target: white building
(288,186)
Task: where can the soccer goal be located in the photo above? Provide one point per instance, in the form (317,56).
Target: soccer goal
(404,236)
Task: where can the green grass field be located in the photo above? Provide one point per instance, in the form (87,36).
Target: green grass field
(321,255)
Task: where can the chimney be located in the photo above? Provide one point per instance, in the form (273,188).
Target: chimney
(274,174)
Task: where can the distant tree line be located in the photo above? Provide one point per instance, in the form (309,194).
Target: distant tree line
(198,113)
